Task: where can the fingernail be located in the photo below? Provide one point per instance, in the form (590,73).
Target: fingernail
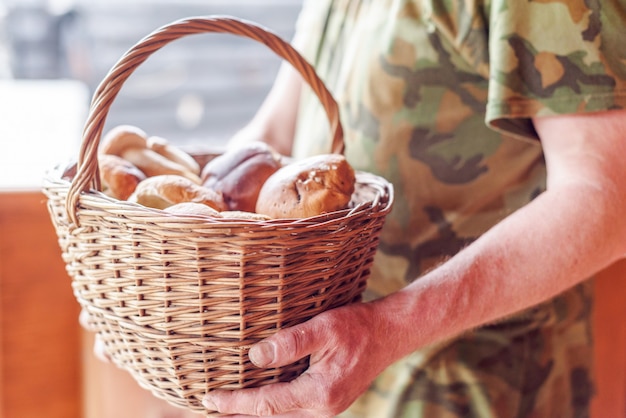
(262,354)
(208,404)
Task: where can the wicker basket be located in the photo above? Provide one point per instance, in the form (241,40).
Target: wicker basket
(178,300)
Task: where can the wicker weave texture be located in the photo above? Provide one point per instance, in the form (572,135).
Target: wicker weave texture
(178,300)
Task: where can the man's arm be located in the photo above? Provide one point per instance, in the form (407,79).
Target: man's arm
(275,120)
(567,234)
(571,231)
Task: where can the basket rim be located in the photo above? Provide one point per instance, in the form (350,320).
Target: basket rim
(381,204)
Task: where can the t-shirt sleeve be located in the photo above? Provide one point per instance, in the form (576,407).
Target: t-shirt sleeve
(557,57)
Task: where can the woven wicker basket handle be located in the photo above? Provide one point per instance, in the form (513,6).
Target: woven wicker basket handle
(87,174)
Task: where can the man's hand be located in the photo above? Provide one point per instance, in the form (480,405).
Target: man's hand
(98,345)
(518,263)
(347,348)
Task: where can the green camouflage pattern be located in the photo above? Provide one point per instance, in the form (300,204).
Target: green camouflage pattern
(438,96)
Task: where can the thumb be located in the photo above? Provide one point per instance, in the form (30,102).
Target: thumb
(286,346)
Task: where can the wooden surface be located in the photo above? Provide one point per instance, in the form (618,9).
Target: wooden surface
(43,352)
(39,333)
(610,343)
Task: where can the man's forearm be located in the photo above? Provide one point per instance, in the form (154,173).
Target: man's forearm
(555,242)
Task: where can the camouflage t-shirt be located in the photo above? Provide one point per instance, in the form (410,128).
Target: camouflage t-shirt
(437,96)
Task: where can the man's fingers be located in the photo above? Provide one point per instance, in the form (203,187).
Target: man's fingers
(251,401)
(271,400)
(286,346)
(83,320)
(99,350)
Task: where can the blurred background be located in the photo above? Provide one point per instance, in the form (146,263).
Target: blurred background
(197,90)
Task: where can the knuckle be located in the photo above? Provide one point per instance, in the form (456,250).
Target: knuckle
(329,322)
(333,399)
(336,405)
(265,407)
(294,342)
